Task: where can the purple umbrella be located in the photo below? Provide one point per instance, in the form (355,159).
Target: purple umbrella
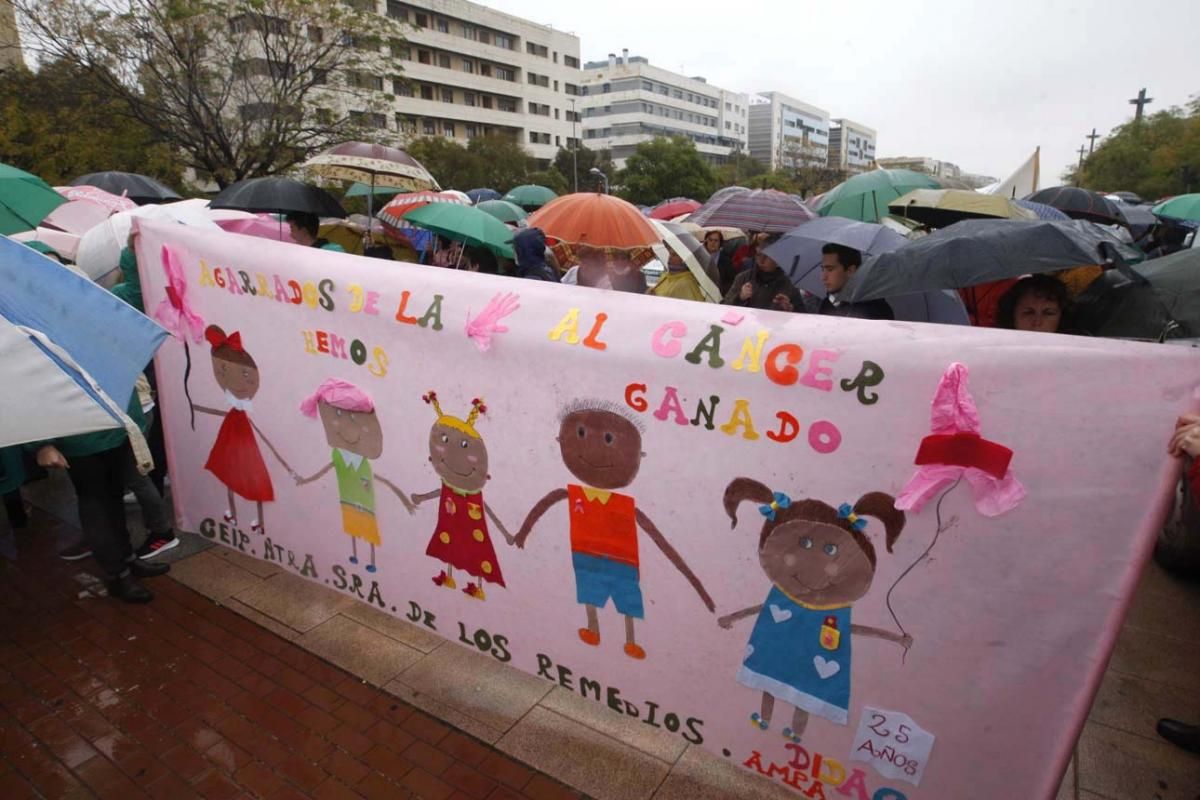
(757,210)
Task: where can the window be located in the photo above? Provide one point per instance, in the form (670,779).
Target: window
(538,80)
(245,23)
(444,60)
(447,95)
(506,104)
(396,11)
(556,86)
(571,89)
(255,112)
(468,65)
(533,137)
(485,70)
(405,124)
(469,98)
(367,6)
(555,56)
(506,74)
(428,127)
(485,37)
(468,32)
(486,101)
(647,86)
(426,92)
(443,27)
(366,120)
(572,116)
(556,113)
(558,141)
(399,49)
(571,61)
(448,128)
(472,131)
(503,40)
(539,50)
(424,56)
(401,87)
(422,20)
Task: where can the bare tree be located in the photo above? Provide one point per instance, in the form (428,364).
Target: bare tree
(239,88)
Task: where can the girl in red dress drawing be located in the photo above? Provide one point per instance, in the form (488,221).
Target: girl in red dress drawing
(235,458)
(461,538)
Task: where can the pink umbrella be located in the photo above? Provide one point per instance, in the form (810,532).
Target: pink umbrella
(65,244)
(77,216)
(263,226)
(112,202)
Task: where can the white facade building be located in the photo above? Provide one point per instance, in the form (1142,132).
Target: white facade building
(930,166)
(851,146)
(627,101)
(471,71)
(786,132)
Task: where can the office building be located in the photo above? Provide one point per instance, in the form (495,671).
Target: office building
(851,146)
(786,132)
(626,101)
(471,71)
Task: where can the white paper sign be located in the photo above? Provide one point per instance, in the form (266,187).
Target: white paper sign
(892,743)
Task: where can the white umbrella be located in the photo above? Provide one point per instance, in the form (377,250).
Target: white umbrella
(100,248)
(672,238)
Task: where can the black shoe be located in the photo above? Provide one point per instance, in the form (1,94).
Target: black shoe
(157,543)
(128,589)
(1180,734)
(142,569)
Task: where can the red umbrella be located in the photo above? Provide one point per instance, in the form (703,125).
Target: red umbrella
(670,209)
(392,215)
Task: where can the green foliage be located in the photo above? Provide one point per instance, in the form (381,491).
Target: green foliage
(663,168)
(1156,157)
(564,165)
(738,170)
(495,162)
(552,179)
(59,123)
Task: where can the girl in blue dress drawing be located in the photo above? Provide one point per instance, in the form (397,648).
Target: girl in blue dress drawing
(819,562)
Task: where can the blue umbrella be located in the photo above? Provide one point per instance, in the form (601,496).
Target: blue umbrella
(480,195)
(74,349)
(798,252)
(1042,210)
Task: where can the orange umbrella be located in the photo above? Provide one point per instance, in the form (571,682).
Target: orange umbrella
(598,220)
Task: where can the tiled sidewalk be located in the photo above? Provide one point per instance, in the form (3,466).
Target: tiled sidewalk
(183,698)
(518,720)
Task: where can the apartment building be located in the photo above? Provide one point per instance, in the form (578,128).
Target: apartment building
(851,146)
(930,166)
(626,100)
(10,41)
(471,71)
(786,132)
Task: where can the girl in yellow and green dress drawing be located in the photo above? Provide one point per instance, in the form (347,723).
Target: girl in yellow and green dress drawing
(352,429)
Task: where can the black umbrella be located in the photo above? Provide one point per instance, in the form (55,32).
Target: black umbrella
(278,196)
(1080,204)
(141,189)
(977,251)
(1129,197)
(1158,299)
(1138,219)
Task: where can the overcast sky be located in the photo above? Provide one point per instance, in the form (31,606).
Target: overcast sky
(978,84)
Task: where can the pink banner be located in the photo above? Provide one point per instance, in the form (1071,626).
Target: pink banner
(866,560)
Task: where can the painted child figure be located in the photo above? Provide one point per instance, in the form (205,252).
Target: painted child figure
(352,429)
(461,538)
(235,458)
(602,448)
(819,563)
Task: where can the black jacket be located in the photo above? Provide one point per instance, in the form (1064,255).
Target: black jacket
(766,286)
(870,309)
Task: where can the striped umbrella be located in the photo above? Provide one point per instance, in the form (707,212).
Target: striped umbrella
(392,215)
(1042,210)
(757,210)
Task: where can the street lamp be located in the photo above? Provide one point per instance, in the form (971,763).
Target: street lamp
(596,173)
(574,145)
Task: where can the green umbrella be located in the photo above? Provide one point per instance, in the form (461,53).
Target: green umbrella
(465,224)
(529,197)
(363,189)
(865,197)
(1184,206)
(25,200)
(503,210)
